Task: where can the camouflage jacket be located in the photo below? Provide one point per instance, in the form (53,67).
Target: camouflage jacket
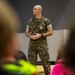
(38,26)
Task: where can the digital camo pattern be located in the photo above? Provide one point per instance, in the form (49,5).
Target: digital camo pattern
(39,46)
(38,26)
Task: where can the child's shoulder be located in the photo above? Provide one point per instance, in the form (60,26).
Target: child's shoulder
(57,69)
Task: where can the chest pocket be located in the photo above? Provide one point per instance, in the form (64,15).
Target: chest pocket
(43,27)
(32,26)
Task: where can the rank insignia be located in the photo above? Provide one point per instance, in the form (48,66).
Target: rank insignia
(41,27)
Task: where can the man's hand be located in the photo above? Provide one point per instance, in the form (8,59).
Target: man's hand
(36,36)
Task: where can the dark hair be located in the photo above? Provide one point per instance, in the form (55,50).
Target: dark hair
(69,51)
(20,55)
(60,53)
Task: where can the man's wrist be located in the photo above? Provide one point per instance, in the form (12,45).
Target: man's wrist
(42,35)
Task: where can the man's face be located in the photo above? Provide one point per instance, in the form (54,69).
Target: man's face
(36,10)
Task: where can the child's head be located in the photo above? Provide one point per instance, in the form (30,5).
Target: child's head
(8,28)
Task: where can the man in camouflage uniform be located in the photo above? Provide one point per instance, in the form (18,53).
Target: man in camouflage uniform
(37,30)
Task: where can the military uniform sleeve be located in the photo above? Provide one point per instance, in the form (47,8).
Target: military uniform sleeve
(48,23)
(28,25)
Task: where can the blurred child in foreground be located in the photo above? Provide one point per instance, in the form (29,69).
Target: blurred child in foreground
(66,65)
(9,44)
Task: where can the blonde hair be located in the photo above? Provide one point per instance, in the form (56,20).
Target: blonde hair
(8,24)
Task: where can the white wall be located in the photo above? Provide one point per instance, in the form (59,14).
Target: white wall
(66,34)
(54,42)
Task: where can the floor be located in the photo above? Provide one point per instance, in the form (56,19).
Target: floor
(41,70)
(41,73)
